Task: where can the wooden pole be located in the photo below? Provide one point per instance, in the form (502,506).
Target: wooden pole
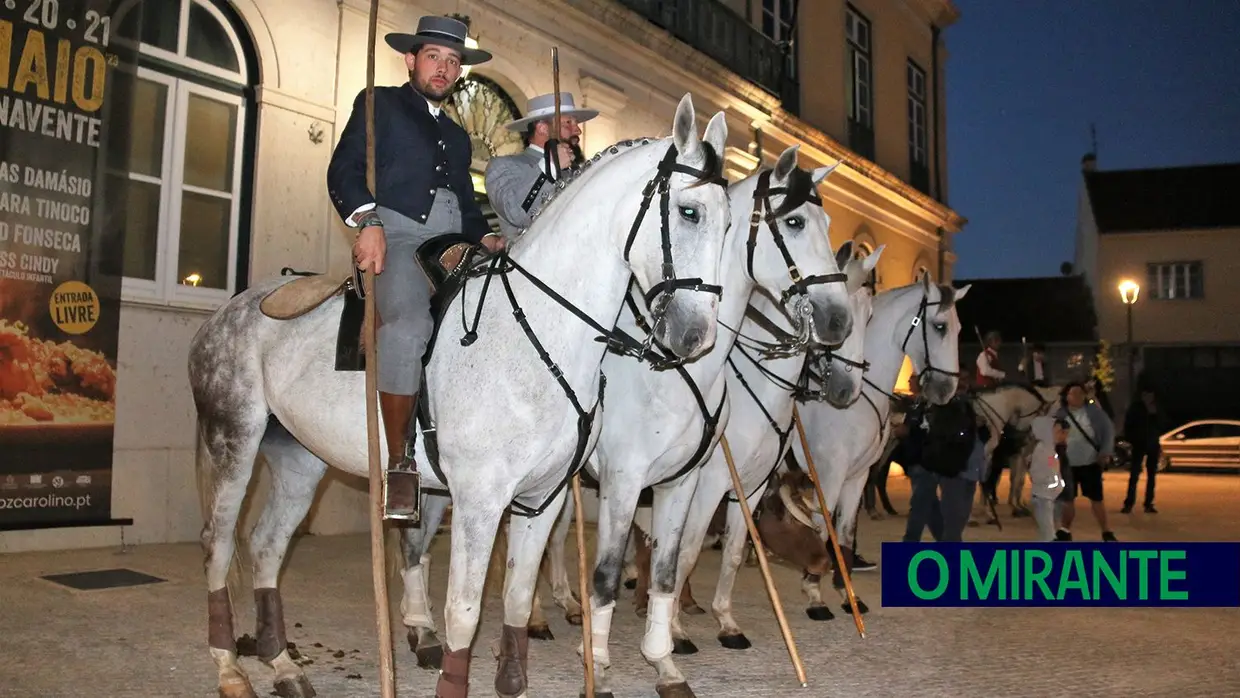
(583,576)
(826,517)
(387,674)
(766,570)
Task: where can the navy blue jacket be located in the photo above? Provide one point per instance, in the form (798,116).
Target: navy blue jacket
(415,154)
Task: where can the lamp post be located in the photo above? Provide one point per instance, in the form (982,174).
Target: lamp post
(1129,290)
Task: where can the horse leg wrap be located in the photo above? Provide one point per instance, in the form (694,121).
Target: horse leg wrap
(219,621)
(511,676)
(269,609)
(454,675)
(600,634)
(657,643)
(415,589)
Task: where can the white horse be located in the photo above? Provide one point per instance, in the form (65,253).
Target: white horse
(508,433)
(918,321)
(659,425)
(762,393)
(1015,405)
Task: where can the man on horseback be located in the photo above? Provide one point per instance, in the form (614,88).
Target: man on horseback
(516,183)
(423,191)
(988,373)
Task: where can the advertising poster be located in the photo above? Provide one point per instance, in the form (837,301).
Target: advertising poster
(59,315)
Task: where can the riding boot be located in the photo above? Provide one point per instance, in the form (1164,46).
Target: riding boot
(401,496)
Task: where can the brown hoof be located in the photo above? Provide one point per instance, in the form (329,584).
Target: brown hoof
(238,688)
(640,611)
(573,618)
(540,632)
(675,690)
(693,610)
(735,642)
(430,657)
(295,688)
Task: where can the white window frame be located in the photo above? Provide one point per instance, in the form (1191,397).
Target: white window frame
(783,30)
(862,66)
(1169,274)
(919,143)
(167,289)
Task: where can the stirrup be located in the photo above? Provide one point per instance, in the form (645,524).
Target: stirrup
(402,491)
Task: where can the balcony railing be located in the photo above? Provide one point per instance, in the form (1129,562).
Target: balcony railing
(717,31)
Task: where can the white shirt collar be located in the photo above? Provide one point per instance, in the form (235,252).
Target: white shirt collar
(536,148)
(434,109)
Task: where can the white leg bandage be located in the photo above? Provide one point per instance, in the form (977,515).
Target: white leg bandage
(600,634)
(414,606)
(657,643)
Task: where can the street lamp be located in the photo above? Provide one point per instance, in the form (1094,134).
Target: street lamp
(1129,290)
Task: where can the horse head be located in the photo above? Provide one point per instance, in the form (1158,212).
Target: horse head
(846,362)
(932,340)
(675,254)
(789,251)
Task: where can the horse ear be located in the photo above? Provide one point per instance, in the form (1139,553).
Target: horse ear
(961,291)
(858,270)
(684,127)
(821,173)
(844,254)
(786,164)
(925,282)
(871,260)
(717,133)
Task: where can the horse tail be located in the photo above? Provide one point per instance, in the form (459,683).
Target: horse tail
(204,468)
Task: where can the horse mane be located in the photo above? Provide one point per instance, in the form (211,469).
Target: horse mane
(947,297)
(798,190)
(713,166)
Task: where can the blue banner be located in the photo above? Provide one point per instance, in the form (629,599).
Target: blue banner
(1061,574)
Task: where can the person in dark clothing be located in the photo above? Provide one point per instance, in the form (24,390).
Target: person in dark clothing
(924,508)
(1143,424)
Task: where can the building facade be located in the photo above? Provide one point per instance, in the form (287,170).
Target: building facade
(243,101)
(1176,233)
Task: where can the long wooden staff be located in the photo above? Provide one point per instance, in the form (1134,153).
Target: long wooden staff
(387,675)
(766,570)
(583,577)
(826,517)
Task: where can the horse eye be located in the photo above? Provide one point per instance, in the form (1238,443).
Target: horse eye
(940,327)
(795,222)
(689,213)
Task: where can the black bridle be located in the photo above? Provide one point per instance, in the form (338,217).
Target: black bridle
(919,320)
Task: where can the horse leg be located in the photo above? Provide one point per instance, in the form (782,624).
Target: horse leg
(641,560)
(671,507)
(630,563)
(617,507)
(846,529)
(475,522)
(557,569)
(527,539)
(735,540)
(295,475)
(415,605)
(228,444)
(698,522)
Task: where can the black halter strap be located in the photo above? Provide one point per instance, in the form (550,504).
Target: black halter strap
(763,210)
(920,321)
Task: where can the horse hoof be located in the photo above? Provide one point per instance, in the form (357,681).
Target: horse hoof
(860,607)
(630,584)
(735,642)
(237,688)
(683,646)
(819,613)
(573,618)
(693,610)
(675,690)
(541,632)
(640,611)
(295,688)
(429,657)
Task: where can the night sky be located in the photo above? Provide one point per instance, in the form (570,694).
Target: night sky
(1160,79)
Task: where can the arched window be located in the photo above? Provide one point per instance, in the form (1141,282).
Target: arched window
(482,108)
(182,174)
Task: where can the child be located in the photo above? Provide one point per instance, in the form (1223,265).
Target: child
(1045,472)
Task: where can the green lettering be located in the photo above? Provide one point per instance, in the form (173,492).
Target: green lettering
(1073,563)
(1038,577)
(972,577)
(1102,568)
(1166,575)
(1015,594)
(915,587)
(1143,584)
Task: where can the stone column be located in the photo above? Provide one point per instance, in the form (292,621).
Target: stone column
(609,100)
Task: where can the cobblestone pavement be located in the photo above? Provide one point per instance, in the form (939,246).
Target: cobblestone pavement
(150,640)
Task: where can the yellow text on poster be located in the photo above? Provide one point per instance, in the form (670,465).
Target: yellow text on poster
(74,307)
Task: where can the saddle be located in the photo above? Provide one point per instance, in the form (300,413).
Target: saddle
(443,259)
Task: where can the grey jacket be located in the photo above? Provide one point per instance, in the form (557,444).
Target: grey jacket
(515,187)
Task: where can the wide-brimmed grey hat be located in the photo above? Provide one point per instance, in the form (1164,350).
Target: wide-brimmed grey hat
(440,31)
(543,107)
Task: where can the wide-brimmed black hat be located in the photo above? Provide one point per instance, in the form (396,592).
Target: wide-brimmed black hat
(440,31)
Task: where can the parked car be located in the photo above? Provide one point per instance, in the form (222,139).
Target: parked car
(1205,443)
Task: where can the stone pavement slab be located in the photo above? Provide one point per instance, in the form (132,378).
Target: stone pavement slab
(151,640)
